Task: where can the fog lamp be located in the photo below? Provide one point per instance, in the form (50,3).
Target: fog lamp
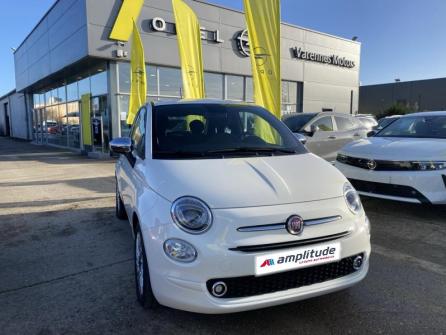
(357,263)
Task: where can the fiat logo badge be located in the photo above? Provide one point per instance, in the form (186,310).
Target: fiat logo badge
(295,225)
(371,164)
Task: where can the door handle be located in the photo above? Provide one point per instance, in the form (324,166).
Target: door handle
(332,137)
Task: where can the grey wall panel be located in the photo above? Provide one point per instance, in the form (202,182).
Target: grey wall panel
(69,51)
(292,70)
(324,92)
(324,73)
(39,69)
(59,34)
(72,19)
(58,12)
(19,124)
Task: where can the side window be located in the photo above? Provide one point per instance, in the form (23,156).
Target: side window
(138,134)
(324,123)
(344,123)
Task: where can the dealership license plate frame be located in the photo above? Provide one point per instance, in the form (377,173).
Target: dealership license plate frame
(271,261)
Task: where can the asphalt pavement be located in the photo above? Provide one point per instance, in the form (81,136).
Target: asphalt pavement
(66,263)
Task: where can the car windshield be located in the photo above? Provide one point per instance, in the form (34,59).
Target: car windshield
(416,126)
(386,121)
(194,131)
(298,121)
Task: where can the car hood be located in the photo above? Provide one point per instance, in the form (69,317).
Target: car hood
(397,148)
(247,182)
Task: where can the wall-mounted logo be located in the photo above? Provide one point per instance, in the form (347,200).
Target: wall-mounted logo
(160,25)
(243,43)
(325,59)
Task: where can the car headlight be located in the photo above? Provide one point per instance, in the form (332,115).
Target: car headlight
(180,250)
(352,198)
(428,166)
(191,215)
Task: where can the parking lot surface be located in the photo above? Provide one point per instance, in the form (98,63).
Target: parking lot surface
(66,263)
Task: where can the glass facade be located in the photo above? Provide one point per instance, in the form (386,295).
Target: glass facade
(56,111)
(165,83)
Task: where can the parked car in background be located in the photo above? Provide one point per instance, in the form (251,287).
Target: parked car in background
(368,120)
(325,133)
(405,161)
(386,121)
(230,213)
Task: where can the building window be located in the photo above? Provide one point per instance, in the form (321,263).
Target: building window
(291,97)
(213,85)
(152,80)
(249,95)
(98,84)
(170,82)
(235,88)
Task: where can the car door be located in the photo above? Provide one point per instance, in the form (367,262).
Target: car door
(347,130)
(322,142)
(132,163)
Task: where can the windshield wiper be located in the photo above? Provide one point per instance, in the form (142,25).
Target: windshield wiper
(252,150)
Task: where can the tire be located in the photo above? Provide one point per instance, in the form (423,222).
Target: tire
(120,209)
(144,292)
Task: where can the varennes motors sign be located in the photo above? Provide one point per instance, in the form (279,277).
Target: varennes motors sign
(299,53)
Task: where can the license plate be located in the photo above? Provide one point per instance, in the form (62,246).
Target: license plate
(297,258)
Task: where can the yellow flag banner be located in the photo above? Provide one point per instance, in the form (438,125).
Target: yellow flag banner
(263,21)
(86,119)
(138,80)
(190,50)
(122,29)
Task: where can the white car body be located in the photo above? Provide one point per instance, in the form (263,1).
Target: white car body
(240,192)
(360,162)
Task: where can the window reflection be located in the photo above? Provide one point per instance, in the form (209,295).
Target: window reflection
(213,85)
(234,85)
(98,84)
(56,117)
(170,82)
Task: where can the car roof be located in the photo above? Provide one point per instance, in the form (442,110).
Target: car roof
(199,101)
(439,113)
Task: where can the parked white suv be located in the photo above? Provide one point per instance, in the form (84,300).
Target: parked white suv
(231,213)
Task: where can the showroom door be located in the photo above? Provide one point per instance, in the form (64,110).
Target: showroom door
(100,123)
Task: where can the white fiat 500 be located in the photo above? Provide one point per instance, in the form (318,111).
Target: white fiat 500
(406,161)
(231,213)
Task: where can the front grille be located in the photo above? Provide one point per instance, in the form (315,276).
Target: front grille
(239,287)
(289,244)
(377,165)
(389,190)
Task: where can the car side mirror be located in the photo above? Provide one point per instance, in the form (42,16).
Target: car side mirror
(301,138)
(371,133)
(314,129)
(121,145)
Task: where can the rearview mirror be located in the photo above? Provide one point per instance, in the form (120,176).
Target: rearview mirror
(121,145)
(371,133)
(301,138)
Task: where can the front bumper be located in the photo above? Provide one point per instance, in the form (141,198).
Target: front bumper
(408,186)
(184,285)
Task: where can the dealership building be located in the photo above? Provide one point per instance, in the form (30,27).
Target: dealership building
(416,96)
(68,62)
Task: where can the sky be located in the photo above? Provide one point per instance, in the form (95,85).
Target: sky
(403,39)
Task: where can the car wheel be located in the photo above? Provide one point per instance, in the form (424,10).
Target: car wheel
(142,278)
(120,210)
